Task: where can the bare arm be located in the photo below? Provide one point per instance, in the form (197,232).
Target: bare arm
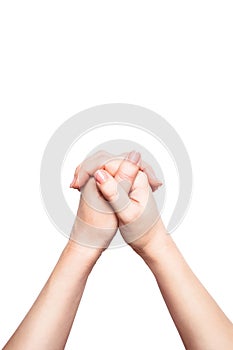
(200,322)
(49,321)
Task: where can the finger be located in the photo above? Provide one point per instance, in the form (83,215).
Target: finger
(154,182)
(141,181)
(112,191)
(93,198)
(128,170)
(75,176)
(88,167)
(111,163)
(140,189)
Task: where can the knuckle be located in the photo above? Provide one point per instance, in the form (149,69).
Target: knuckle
(125,176)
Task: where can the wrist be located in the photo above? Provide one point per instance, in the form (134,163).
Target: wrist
(93,236)
(154,243)
(88,254)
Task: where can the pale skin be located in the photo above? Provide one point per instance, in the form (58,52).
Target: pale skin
(200,322)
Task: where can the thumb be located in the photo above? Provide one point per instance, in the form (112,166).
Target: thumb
(112,191)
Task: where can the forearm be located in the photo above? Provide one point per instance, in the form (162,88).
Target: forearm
(201,323)
(48,323)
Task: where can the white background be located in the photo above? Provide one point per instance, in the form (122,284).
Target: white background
(58,58)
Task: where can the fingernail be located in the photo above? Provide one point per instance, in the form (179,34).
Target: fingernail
(101,176)
(134,157)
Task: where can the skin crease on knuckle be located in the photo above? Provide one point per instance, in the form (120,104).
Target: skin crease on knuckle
(125,177)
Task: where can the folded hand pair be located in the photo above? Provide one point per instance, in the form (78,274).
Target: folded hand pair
(116,191)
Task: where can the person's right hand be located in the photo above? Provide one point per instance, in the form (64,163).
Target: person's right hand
(134,205)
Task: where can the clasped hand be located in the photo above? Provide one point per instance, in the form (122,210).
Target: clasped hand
(116,191)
